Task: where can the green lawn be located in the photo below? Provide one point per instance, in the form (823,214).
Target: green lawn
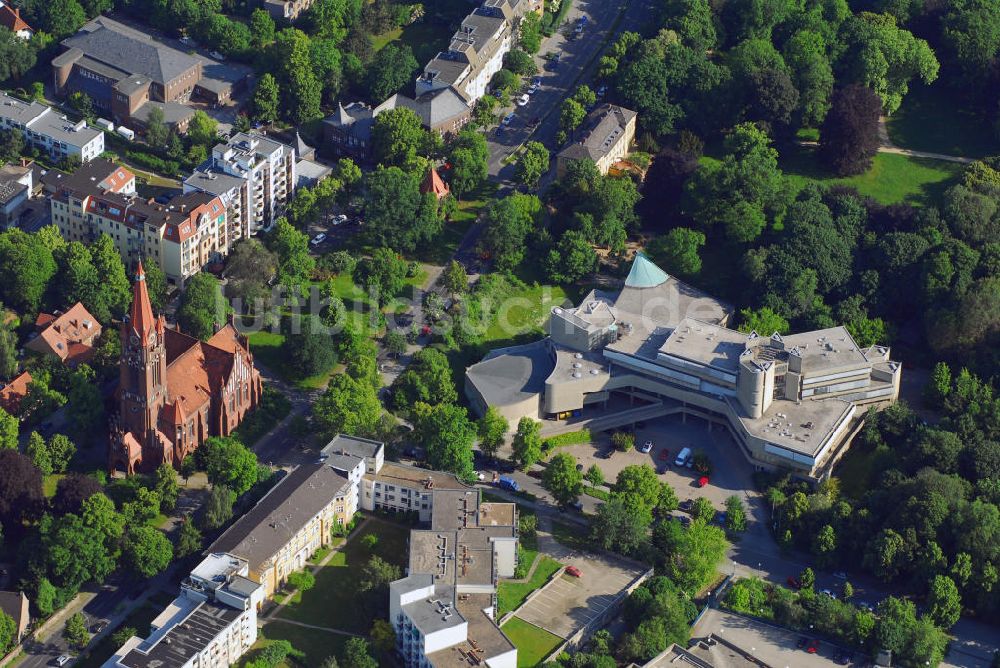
(317,645)
(935,119)
(533,644)
(430,34)
(892,178)
(512,594)
(335,601)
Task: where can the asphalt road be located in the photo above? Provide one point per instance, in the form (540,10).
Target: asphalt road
(575,56)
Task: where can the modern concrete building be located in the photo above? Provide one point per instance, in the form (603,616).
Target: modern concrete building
(444,610)
(792,402)
(48,131)
(604,138)
(209,625)
(254,176)
(16,186)
(296,517)
(181,236)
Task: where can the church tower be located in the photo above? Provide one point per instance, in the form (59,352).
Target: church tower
(143,368)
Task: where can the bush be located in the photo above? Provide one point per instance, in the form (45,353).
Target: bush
(527,526)
(302,580)
(623,440)
(155,163)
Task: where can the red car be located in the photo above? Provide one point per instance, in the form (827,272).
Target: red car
(702,481)
(574,571)
(813,646)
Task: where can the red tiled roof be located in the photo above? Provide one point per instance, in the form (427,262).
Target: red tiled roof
(63,335)
(11,18)
(433,184)
(141,313)
(13,392)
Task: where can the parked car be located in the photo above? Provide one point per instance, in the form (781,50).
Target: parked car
(216,55)
(577,506)
(803,641)
(62,660)
(827,592)
(98,627)
(813,646)
(507,119)
(606,454)
(844,658)
(574,571)
(602,91)
(318,239)
(339,219)
(683,457)
(537,81)
(533,88)
(646,448)
(508,483)
(687,505)
(664,455)
(523,100)
(703,481)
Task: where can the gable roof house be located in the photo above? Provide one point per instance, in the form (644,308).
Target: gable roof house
(10,18)
(604,138)
(70,336)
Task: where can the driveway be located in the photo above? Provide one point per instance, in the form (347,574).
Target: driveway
(567,603)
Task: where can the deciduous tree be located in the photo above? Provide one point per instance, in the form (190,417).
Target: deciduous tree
(562,479)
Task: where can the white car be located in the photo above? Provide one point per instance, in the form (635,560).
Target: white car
(216,55)
(507,119)
(339,219)
(827,592)
(532,89)
(186,40)
(523,100)
(63,659)
(318,239)
(602,91)
(646,447)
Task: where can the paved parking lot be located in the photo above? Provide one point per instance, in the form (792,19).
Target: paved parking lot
(567,603)
(731,473)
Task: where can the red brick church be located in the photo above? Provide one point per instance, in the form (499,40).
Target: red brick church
(175,391)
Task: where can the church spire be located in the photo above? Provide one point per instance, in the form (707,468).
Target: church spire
(141,314)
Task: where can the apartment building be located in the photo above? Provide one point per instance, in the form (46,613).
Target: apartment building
(790,402)
(48,131)
(604,138)
(181,236)
(474,55)
(296,517)
(254,176)
(444,610)
(209,625)
(398,487)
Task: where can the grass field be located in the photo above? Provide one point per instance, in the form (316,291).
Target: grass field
(335,601)
(431,33)
(935,119)
(533,644)
(512,594)
(316,645)
(892,178)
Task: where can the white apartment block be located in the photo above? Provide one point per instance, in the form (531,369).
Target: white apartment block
(255,177)
(181,236)
(474,55)
(444,610)
(47,130)
(211,624)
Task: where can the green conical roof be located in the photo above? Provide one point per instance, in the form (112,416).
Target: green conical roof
(644,274)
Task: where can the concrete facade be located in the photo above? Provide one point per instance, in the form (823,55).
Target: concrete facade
(791,402)
(443,611)
(209,625)
(49,131)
